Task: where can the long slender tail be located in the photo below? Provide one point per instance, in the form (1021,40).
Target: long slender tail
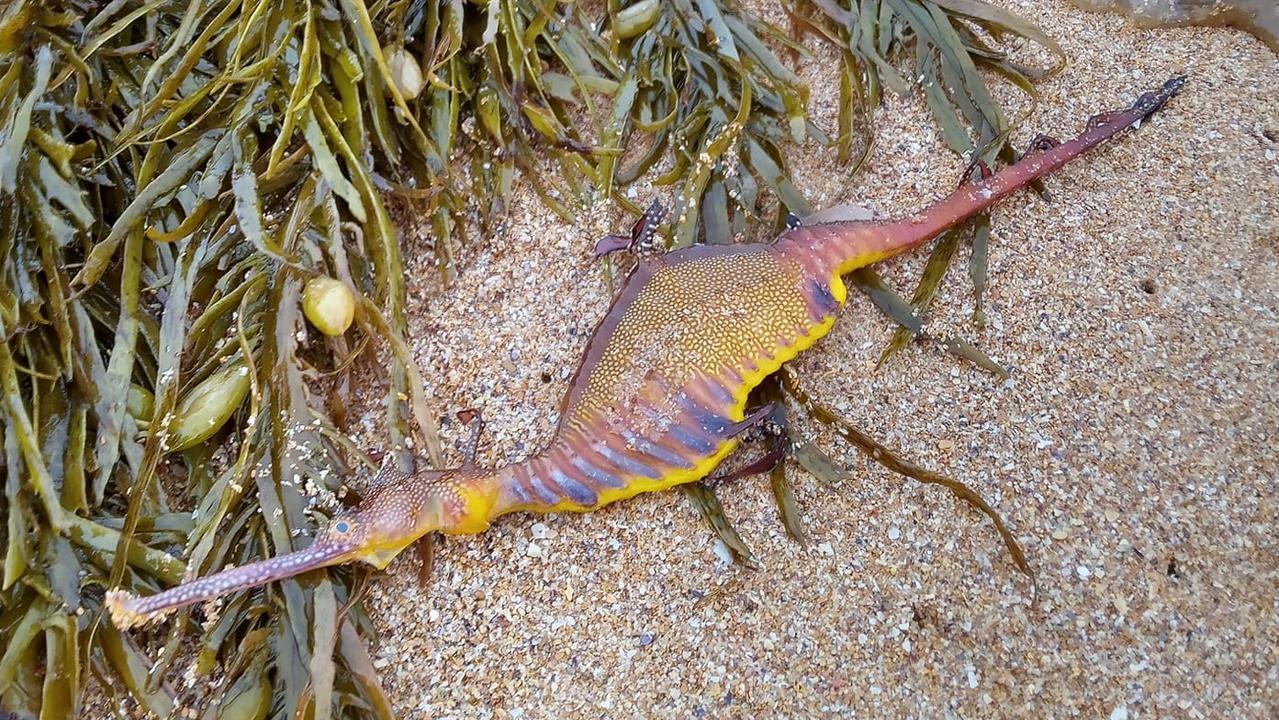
(847,246)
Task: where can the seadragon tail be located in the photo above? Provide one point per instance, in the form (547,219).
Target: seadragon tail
(846,246)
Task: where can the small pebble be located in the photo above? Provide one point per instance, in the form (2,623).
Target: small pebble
(722,552)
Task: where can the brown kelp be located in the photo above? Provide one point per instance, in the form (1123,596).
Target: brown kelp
(505,87)
(704,88)
(607,103)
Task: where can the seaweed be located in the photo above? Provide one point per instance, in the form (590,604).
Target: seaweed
(691,83)
(703,87)
(824,468)
(506,86)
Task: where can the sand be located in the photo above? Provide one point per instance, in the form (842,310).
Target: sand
(1132,449)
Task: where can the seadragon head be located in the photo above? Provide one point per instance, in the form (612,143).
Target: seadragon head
(400,510)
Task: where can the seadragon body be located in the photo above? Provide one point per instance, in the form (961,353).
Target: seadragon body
(660,398)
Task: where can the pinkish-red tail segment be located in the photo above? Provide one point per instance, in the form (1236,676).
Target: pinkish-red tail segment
(846,246)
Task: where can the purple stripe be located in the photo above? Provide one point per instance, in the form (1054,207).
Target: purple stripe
(573,490)
(823,300)
(541,489)
(645,446)
(719,392)
(594,473)
(693,440)
(517,487)
(711,422)
(625,463)
(660,420)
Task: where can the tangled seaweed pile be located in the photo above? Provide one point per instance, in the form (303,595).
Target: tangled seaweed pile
(176,178)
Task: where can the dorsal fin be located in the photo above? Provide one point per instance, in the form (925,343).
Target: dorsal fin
(388,474)
(640,238)
(473,418)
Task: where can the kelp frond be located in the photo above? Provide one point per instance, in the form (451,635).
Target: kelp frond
(945,50)
(703,86)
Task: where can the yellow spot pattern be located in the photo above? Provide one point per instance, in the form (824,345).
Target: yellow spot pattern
(705,318)
(698,317)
